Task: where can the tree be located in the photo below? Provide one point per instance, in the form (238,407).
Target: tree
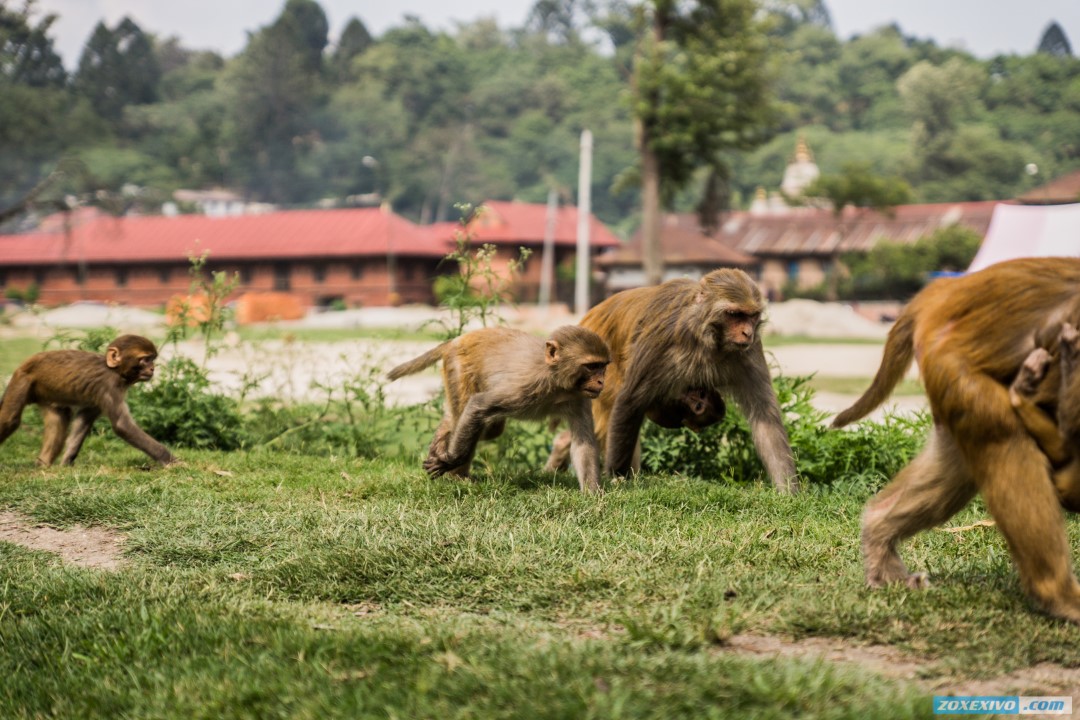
(1054,42)
(118,68)
(271,97)
(305,24)
(700,89)
(27,56)
(354,40)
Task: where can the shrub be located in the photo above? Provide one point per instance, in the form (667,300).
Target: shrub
(867,455)
(179,409)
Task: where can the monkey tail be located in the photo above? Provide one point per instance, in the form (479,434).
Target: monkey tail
(899,351)
(415,365)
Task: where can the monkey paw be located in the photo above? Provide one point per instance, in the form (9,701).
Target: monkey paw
(1032,372)
(918,581)
(1069,340)
(437,465)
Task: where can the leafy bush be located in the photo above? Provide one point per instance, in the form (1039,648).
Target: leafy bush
(867,454)
(179,409)
(898,270)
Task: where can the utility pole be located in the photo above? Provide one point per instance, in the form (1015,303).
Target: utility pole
(547,257)
(581,286)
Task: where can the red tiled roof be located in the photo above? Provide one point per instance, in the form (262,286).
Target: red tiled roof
(807,231)
(278,235)
(682,242)
(517,222)
(803,231)
(1065,189)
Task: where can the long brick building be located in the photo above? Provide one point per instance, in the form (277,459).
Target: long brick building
(362,257)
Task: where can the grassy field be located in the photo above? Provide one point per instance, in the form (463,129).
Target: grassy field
(277,585)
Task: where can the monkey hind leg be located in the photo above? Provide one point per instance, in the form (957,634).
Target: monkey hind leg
(1015,484)
(928,491)
(559,459)
(57,421)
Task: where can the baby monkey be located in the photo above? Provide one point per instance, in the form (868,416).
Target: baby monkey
(73,388)
(1037,383)
(493,374)
(695,409)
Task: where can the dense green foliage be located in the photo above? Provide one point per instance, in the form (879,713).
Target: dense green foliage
(488,112)
(865,455)
(899,270)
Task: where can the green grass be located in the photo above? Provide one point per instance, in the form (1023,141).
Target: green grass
(268,584)
(857,385)
(14,350)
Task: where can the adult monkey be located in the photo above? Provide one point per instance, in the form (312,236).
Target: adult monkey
(677,339)
(66,382)
(971,335)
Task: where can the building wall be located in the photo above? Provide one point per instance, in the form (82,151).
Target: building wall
(355,281)
(778,272)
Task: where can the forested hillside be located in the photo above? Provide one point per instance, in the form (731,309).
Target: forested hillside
(429,119)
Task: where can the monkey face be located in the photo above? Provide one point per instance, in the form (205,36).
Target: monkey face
(736,328)
(144,368)
(132,356)
(592,379)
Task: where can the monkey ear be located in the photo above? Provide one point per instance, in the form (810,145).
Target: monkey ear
(112,357)
(551,351)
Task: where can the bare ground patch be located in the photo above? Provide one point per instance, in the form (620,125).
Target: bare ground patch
(90,547)
(1041,679)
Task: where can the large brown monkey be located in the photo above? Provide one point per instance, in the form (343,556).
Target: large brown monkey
(497,373)
(681,337)
(1037,384)
(66,382)
(971,335)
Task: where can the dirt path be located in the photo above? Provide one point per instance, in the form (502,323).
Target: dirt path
(92,547)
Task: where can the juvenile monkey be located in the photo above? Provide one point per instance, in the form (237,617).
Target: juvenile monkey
(497,373)
(1057,439)
(66,382)
(971,335)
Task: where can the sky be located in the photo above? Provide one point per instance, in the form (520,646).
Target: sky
(982,27)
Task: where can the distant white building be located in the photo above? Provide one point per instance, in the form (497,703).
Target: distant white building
(215,203)
(800,172)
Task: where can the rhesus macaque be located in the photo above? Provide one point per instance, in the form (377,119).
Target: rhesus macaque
(697,409)
(63,383)
(681,337)
(1056,439)
(971,335)
(497,373)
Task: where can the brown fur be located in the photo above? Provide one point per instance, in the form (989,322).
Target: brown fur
(497,373)
(679,337)
(1037,383)
(63,382)
(971,335)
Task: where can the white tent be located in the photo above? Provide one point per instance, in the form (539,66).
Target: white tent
(1029,231)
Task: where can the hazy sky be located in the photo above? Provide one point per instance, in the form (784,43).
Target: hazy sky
(982,27)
